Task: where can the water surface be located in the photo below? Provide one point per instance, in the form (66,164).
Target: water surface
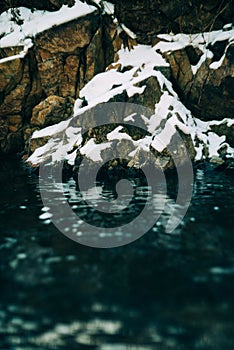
(160,292)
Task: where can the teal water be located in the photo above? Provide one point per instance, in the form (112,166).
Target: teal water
(160,292)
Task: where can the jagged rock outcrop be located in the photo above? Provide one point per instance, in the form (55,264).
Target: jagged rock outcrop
(131,135)
(40,83)
(208,92)
(52,110)
(62,60)
(61,55)
(165,135)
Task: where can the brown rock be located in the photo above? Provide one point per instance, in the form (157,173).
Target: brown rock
(211,96)
(36,92)
(208,93)
(10,142)
(11,73)
(3,129)
(33,144)
(151,95)
(69,77)
(14,142)
(95,61)
(50,111)
(14,101)
(48,5)
(69,55)
(61,61)
(69,37)
(181,69)
(15,122)
(51,73)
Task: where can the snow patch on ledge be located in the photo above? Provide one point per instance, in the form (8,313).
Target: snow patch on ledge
(141,55)
(93,150)
(200,40)
(36,22)
(143,59)
(27,45)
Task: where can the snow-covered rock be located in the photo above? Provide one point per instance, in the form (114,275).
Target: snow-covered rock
(126,81)
(51,53)
(67,54)
(203,71)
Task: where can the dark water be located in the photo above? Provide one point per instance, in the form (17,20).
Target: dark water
(161,292)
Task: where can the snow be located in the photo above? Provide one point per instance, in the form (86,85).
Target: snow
(167,109)
(227,121)
(227,26)
(211,140)
(39,21)
(215,142)
(201,41)
(34,23)
(180,41)
(93,150)
(130,118)
(27,45)
(109,8)
(143,59)
(116,134)
(51,130)
(71,158)
(58,147)
(40,154)
(207,54)
(135,90)
(141,55)
(128,31)
(137,66)
(217,64)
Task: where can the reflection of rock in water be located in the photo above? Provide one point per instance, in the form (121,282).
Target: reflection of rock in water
(111,180)
(156,289)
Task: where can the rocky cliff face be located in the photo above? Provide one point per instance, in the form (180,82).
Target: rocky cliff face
(205,80)
(62,60)
(41,83)
(148,18)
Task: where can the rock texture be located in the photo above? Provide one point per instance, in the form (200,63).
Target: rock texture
(48,5)
(147,18)
(62,60)
(38,90)
(208,93)
(52,110)
(149,138)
